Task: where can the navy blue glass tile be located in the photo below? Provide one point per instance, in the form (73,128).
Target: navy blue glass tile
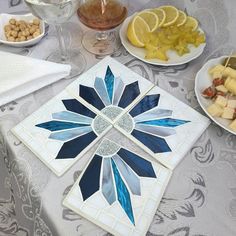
(89,183)
(131,92)
(147,103)
(73,147)
(154,143)
(109,80)
(77,107)
(139,165)
(90,95)
(122,193)
(167,122)
(59,125)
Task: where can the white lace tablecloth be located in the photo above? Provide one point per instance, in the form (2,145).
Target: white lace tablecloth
(201,196)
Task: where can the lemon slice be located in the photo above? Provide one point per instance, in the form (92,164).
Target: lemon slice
(172,15)
(138,31)
(150,18)
(181,19)
(191,22)
(160,14)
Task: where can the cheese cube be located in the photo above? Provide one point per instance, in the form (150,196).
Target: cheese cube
(228,113)
(221,88)
(233,125)
(215,110)
(221,101)
(231,103)
(217,74)
(230,84)
(217,69)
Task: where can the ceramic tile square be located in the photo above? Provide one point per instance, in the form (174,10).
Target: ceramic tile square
(163,126)
(112,186)
(61,131)
(110,88)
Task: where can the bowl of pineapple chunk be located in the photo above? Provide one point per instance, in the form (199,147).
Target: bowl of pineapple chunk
(215,89)
(164,36)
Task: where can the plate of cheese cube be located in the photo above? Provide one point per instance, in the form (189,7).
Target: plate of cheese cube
(215,88)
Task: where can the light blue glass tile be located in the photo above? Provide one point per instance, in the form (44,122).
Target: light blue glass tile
(131,179)
(119,87)
(123,193)
(109,81)
(156,130)
(101,89)
(70,134)
(167,122)
(153,114)
(108,189)
(70,116)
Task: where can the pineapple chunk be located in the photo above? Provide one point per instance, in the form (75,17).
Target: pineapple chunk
(231,103)
(221,88)
(221,101)
(215,110)
(233,125)
(228,113)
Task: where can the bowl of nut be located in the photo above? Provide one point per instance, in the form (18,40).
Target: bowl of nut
(20,30)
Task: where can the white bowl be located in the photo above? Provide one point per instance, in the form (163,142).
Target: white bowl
(202,81)
(4,20)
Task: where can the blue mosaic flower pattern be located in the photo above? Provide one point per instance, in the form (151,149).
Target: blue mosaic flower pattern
(72,127)
(119,176)
(153,124)
(110,91)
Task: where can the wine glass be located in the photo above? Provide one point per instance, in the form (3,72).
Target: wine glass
(57,12)
(101,16)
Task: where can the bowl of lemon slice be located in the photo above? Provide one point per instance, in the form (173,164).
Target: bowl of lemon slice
(163,36)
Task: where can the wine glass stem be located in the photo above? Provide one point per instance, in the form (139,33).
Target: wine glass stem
(62,44)
(101,35)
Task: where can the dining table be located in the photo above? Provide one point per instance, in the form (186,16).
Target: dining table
(200,199)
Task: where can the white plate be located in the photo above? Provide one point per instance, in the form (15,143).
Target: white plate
(202,81)
(4,19)
(174,58)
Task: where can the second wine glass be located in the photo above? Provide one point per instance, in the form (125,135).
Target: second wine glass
(101,16)
(57,12)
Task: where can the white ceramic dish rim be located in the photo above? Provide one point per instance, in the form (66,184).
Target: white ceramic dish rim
(202,74)
(31,41)
(185,59)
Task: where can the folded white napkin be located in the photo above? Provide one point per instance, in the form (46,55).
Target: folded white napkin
(20,75)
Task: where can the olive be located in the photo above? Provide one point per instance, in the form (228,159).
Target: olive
(231,63)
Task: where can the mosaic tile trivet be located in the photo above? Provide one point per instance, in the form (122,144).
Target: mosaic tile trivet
(119,190)
(163,126)
(61,131)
